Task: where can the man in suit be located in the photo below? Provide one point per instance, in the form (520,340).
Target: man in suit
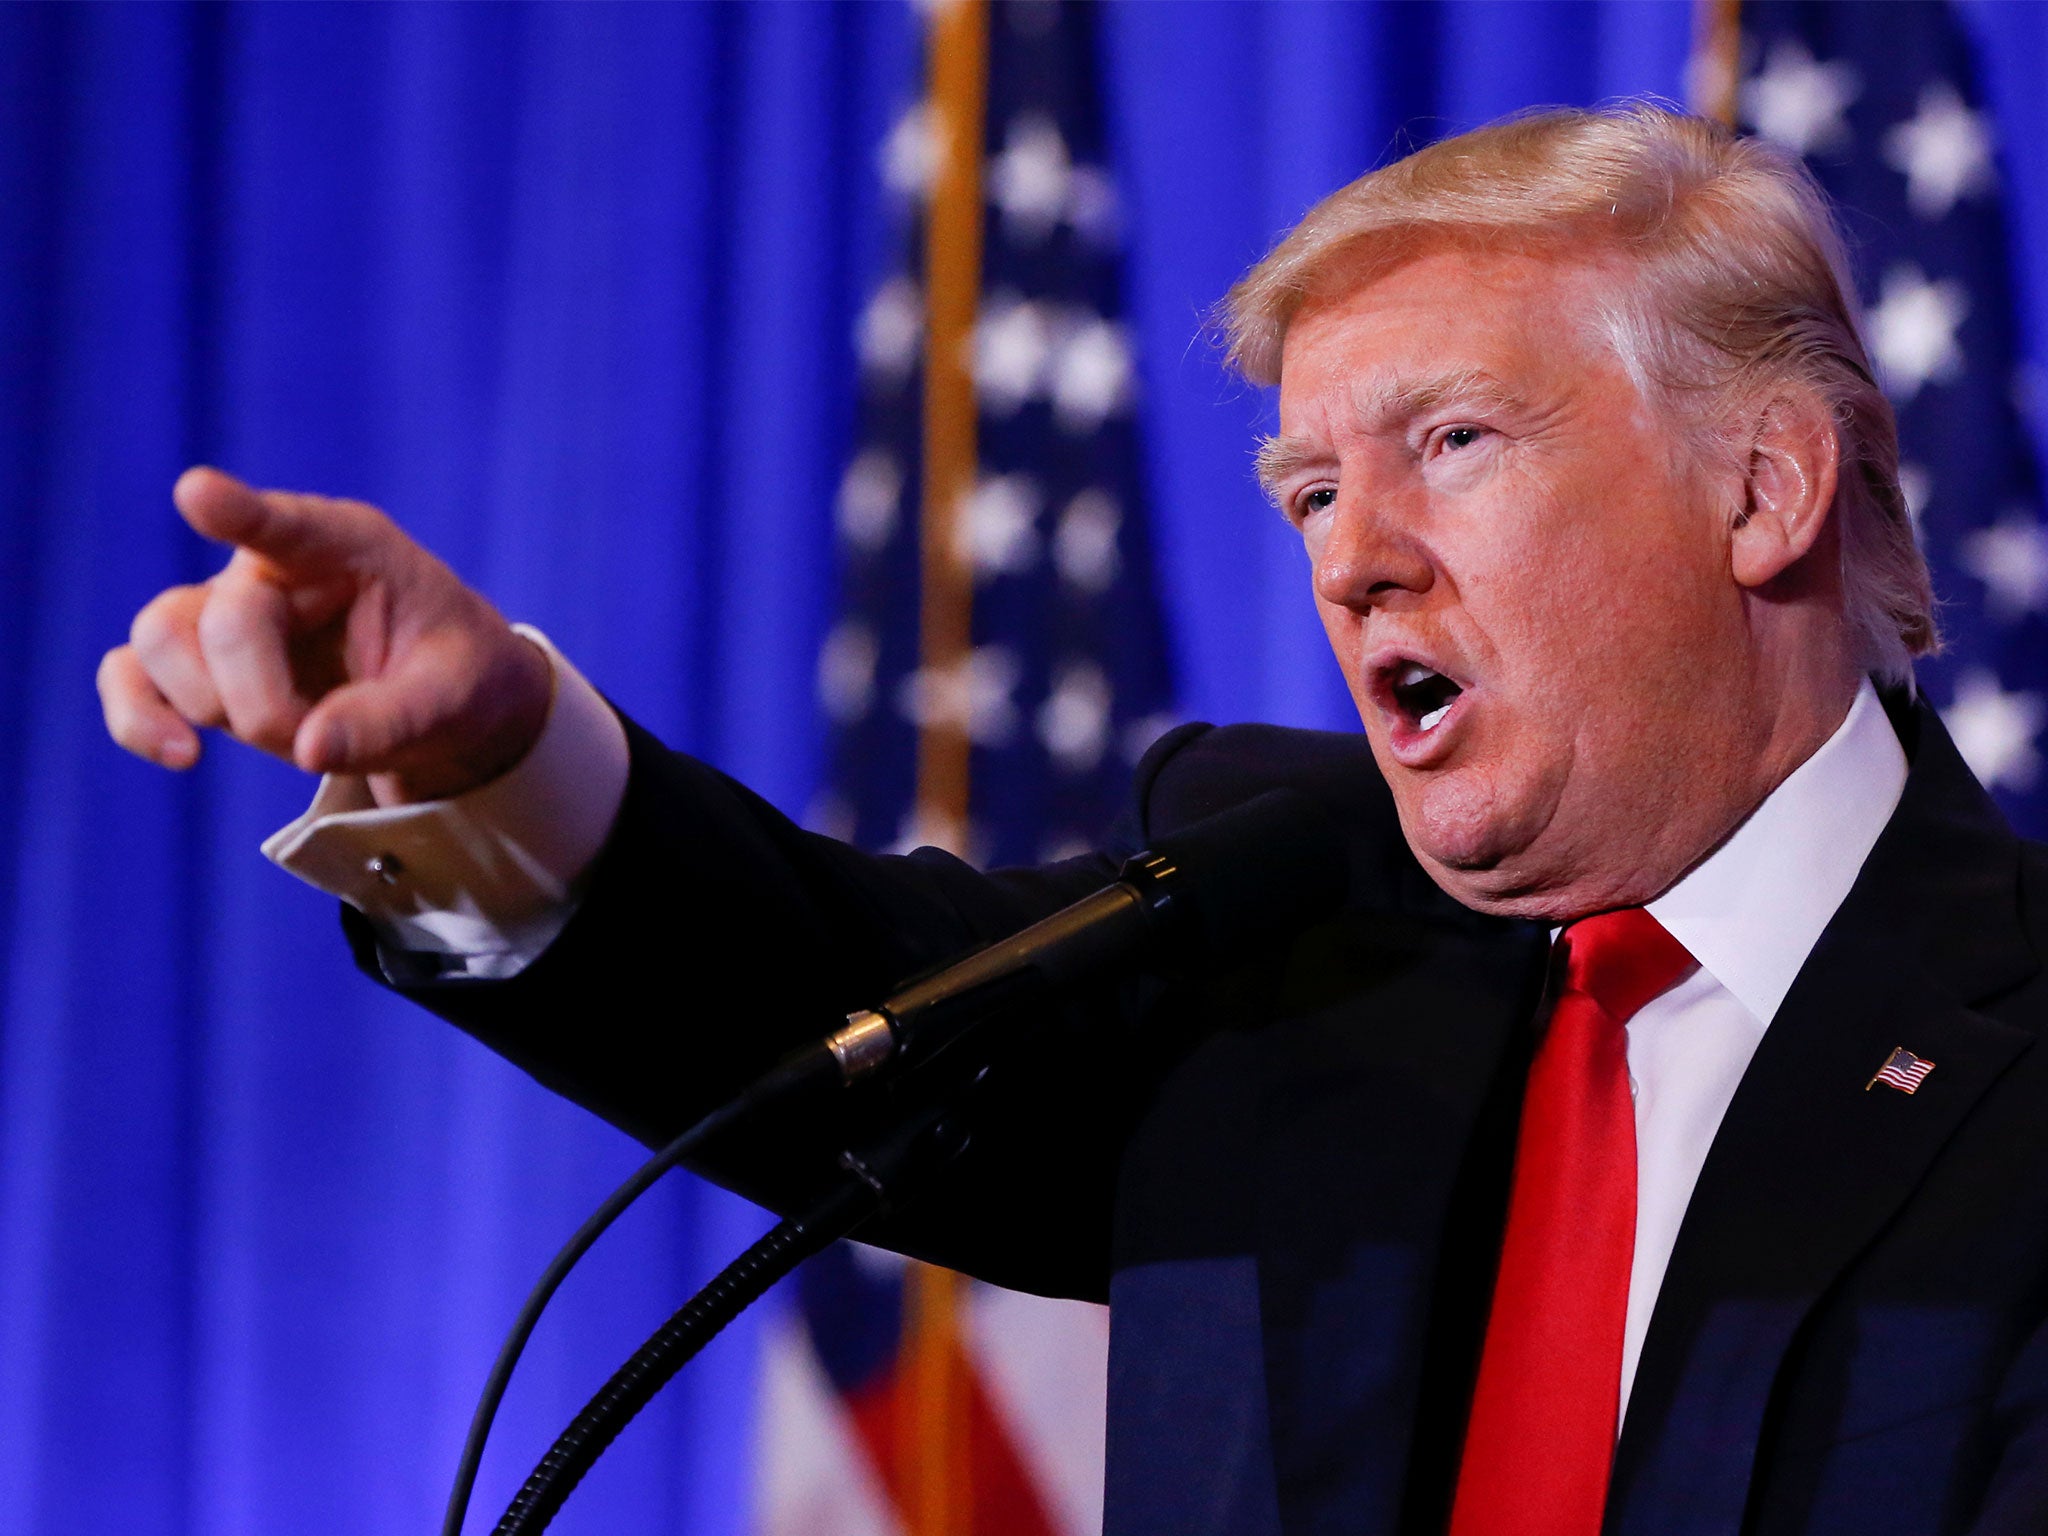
(1654,1143)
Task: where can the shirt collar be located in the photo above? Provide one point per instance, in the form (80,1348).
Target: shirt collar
(1754,909)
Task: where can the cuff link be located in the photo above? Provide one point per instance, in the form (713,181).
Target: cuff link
(387,867)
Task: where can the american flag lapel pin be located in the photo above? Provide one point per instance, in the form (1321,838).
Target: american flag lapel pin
(1901,1070)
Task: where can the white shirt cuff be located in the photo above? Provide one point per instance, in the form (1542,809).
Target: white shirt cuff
(482,881)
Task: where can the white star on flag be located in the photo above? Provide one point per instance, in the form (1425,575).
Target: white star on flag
(911,153)
(1943,150)
(2011,558)
(1032,179)
(1798,102)
(972,694)
(1091,376)
(870,499)
(1011,346)
(1092,208)
(997,530)
(891,330)
(1913,330)
(846,670)
(1995,730)
(1084,541)
(1074,720)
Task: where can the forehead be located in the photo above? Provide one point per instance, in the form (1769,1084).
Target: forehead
(1445,322)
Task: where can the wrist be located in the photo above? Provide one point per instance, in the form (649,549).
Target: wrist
(512,705)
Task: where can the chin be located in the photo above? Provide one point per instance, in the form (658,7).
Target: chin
(1475,843)
(1461,831)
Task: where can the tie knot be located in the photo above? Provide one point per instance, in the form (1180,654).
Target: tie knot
(1621,960)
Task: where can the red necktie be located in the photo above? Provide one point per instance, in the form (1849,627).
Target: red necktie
(1540,1440)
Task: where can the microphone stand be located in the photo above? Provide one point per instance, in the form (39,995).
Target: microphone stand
(788,1083)
(1289,869)
(877,1179)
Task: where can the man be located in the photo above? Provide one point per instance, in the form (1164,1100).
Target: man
(1602,509)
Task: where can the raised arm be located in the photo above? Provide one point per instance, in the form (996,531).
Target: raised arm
(712,934)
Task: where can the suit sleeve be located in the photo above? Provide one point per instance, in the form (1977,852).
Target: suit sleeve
(717,936)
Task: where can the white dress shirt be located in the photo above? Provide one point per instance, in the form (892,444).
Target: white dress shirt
(1750,914)
(485,881)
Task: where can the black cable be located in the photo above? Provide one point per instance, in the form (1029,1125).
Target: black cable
(678,1341)
(879,1178)
(776,1085)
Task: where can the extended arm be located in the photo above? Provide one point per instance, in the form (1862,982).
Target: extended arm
(714,934)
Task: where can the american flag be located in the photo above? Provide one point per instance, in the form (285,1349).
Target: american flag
(896,1400)
(1882,101)
(1901,1070)
(1067,682)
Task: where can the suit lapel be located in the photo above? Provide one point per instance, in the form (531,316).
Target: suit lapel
(1809,1165)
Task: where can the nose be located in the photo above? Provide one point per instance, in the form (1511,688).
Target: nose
(1367,555)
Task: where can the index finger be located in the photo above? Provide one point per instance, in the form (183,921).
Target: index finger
(311,535)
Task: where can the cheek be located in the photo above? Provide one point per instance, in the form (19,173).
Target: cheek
(1607,611)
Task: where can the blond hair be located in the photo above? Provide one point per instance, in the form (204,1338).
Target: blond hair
(1741,288)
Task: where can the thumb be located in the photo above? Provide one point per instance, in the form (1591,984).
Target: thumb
(437,724)
(305,535)
(372,725)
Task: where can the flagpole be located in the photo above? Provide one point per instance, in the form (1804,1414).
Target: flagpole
(953,234)
(1716,59)
(938,1500)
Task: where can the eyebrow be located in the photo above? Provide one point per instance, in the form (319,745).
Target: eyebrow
(1377,402)
(1278,459)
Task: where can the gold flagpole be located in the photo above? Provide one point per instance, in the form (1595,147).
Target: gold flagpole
(938,1500)
(1716,58)
(959,98)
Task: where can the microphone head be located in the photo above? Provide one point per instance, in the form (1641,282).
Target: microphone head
(1257,873)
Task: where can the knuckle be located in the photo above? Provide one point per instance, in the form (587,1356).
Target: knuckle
(125,727)
(233,617)
(123,710)
(368,528)
(266,725)
(255,709)
(157,625)
(219,624)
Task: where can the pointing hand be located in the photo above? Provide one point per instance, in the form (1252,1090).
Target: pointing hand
(331,639)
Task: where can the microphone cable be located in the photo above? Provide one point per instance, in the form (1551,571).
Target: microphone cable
(878,1180)
(1289,871)
(776,1085)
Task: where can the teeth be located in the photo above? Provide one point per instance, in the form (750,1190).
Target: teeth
(1428,721)
(1415,672)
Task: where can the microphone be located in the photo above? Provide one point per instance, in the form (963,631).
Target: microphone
(1250,875)
(1214,890)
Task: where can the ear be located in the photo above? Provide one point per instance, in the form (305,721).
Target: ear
(1788,490)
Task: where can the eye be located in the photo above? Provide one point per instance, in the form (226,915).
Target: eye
(1321,499)
(1462,437)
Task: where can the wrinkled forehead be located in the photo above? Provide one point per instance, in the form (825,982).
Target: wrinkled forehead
(1479,323)
(1380,398)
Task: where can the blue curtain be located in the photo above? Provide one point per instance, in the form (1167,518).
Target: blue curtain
(569,290)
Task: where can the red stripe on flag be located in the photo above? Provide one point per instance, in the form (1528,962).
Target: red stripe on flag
(1001,1501)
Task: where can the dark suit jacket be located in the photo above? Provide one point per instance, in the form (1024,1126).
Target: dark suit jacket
(1289,1180)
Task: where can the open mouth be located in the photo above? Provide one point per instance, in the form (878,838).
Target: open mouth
(1422,696)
